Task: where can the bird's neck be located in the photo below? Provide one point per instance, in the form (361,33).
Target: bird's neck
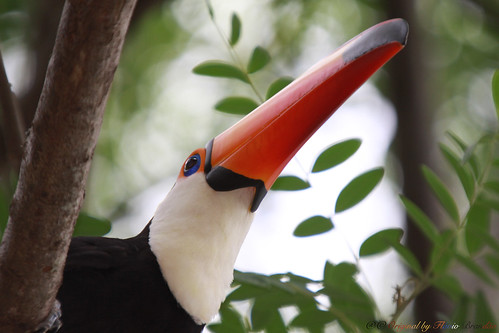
(196,235)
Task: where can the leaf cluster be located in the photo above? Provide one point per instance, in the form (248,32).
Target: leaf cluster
(240,71)
(272,295)
(330,157)
(347,303)
(465,239)
(352,194)
(282,302)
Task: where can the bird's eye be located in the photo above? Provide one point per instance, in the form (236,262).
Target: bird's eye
(192,165)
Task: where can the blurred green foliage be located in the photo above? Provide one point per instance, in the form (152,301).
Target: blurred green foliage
(146,127)
(350,306)
(13,19)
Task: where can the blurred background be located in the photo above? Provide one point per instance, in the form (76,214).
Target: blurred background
(159,111)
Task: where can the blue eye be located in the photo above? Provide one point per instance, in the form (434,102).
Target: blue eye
(192,165)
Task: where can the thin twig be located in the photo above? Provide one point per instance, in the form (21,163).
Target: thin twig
(235,57)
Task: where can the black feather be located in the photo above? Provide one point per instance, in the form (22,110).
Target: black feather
(115,285)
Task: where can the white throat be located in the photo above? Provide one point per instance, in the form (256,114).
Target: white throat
(196,235)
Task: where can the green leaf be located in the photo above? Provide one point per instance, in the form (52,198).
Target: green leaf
(477,226)
(380,242)
(218,68)
(486,139)
(493,186)
(407,257)
(462,309)
(386,239)
(488,202)
(458,141)
(220,328)
(484,314)
(261,314)
(236,105)
(276,323)
(464,174)
(450,286)
(87,225)
(281,291)
(469,154)
(495,91)
(336,154)
(477,238)
(255,279)
(493,262)
(298,279)
(442,193)
(246,292)
(256,285)
(313,319)
(259,58)
(235,31)
(443,252)
(265,314)
(474,268)
(232,318)
(346,295)
(491,241)
(469,157)
(290,183)
(358,189)
(313,226)
(338,274)
(278,85)
(421,220)
(210,9)
(231,321)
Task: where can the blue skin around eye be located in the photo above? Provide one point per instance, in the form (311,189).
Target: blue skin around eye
(193,169)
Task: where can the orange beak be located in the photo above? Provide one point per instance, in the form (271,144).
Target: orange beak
(253,152)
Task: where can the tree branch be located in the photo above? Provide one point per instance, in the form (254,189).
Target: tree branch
(57,157)
(412,100)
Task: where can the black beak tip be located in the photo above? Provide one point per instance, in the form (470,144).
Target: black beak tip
(395,30)
(401,30)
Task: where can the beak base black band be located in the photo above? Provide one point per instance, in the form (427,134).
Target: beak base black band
(222,179)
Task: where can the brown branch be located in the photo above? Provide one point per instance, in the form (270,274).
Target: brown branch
(57,158)
(410,84)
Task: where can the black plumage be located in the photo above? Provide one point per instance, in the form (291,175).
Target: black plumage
(115,285)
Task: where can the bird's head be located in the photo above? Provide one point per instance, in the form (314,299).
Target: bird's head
(197,231)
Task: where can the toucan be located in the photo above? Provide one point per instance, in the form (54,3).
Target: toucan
(173,276)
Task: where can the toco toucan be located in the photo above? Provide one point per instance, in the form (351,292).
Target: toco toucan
(173,276)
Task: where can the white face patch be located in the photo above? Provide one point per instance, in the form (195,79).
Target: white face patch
(196,235)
